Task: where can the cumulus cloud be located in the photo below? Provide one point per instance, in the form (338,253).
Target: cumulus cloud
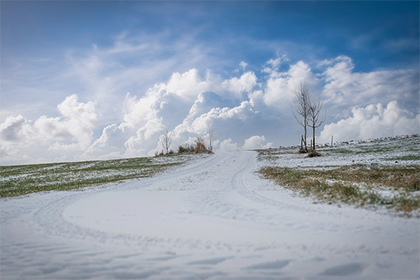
(281,86)
(345,89)
(72,132)
(75,126)
(246,111)
(186,85)
(16,129)
(187,104)
(241,85)
(226,145)
(164,108)
(256,142)
(109,145)
(373,121)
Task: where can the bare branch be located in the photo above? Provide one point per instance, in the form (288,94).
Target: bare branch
(307,114)
(210,133)
(300,109)
(165,140)
(314,119)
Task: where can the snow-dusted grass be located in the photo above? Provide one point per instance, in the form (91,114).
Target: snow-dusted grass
(376,174)
(25,179)
(355,184)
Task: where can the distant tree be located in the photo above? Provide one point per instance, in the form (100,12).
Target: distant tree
(300,107)
(165,140)
(315,120)
(209,134)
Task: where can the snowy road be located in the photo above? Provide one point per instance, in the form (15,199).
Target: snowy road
(211,219)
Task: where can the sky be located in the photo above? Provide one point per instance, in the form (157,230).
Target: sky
(84,80)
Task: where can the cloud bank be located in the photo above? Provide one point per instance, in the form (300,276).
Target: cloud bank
(49,137)
(373,121)
(248,110)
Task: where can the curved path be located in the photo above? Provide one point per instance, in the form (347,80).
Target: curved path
(211,219)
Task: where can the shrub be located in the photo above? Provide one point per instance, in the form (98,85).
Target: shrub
(313,154)
(302,150)
(182,150)
(198,148)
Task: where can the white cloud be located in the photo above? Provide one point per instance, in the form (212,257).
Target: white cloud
(373,121)
(76,125)
(281,86)
(345,89)
(273,64)
(226,145)
(16,129)
(72,132)
(186,103)
(243,64)
(256,142)
(243,84)
(109,145)
(187,85)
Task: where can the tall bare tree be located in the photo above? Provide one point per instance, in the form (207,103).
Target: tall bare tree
(210,133)
(300,108)
(165,140)
(315,120)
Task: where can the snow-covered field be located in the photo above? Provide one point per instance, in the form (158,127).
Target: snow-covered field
(211,219)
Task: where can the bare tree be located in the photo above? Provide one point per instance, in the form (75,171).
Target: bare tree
(210,133)
(315,120)
(301,104)
(165,140)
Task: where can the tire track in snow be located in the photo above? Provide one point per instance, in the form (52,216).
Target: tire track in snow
(220,180)
(238,183)
(28,239)
(49,220)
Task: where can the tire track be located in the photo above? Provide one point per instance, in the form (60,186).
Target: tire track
(38,242)
(38,228)
(49,220)
(238,183)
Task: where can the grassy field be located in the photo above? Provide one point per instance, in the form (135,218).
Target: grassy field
(373,175)
(26,179)
(393,187)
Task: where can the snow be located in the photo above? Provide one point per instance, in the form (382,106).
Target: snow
(211,219)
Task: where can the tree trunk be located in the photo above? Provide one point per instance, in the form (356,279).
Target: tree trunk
(313,137)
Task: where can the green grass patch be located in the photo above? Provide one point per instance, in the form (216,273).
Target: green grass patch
(402,158)
(359,149)
(26,179)
(359,185)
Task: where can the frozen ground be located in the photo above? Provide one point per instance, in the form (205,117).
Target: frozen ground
(388,151)
(211,219)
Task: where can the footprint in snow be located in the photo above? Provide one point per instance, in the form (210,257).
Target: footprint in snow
(162,258)
(344,270)
(213,261)
(270,265)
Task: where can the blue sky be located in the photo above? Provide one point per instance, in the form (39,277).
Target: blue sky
(95,65)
